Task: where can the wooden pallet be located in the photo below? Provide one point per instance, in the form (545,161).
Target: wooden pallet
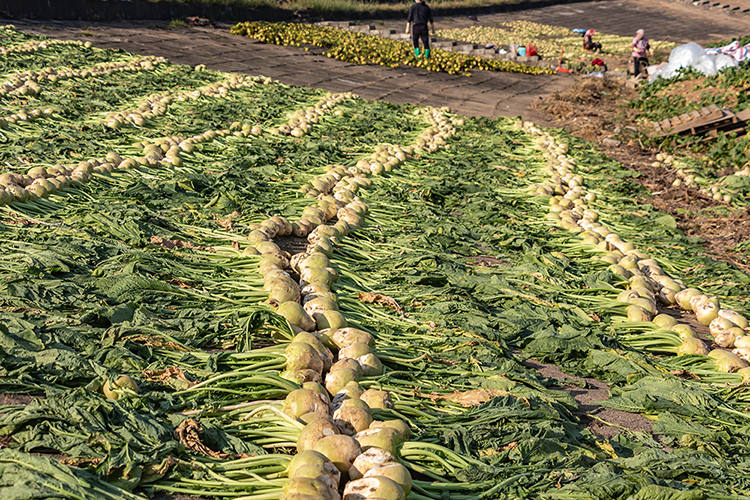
(706,121)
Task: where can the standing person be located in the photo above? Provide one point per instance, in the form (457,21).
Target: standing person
(419,16)
(640,52)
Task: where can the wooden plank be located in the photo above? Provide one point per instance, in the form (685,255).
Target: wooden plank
(698,125)
(709,119)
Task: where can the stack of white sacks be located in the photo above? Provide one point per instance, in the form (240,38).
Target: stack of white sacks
(706,61)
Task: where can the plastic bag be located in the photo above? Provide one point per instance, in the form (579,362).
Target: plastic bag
(684,55)
(705,64)
(664,71)
(724,61)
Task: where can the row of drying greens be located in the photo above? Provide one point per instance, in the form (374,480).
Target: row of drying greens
(119,278)
(647,282)
(550,41)
(360,48)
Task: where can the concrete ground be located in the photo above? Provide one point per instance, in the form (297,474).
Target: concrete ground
(489,94)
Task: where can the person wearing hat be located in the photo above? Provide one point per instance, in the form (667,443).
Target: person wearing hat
(589,44)
(640,52)
(419,16)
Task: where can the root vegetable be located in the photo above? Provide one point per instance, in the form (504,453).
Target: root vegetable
(734,317)
(330,319)
(718,325)
(637,313)
(301,377)
(684,331)
(311,339)
(727,361)
(317,274)
(683,297)
(369,459)
(325,472)
(352,419)
(667,296)
(315,288)
(399,425)
(122,385)
(395,471)
(377,399)
(340,449)
(311,417)
(310,486)
(352,390)
(618,270)
(382,488)
(316,260)
(344,337)
(320,304)
(315,386)
(302,356)
(314,432)
(296,315)
(371,365)
(628,296)
(727,338)
(385,438)
(306,458)
(347,363)
(742,353)
(706,312)
(664,321)
(355,350)
(692,346)
(302,401)
(647,304)
(335,381)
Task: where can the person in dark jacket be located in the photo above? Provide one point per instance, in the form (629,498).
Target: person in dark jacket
(419,16)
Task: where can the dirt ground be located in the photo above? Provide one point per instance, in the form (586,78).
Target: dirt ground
(603,422)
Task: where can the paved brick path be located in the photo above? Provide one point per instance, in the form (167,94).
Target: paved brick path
(487,94)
